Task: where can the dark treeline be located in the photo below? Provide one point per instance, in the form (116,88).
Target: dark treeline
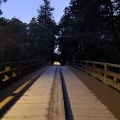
(90,30)
(20,41)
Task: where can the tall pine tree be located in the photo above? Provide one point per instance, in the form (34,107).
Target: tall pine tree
(46,15)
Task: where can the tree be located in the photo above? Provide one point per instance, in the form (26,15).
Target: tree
(110,9)
(47,27)
(19,41)
(91,26)
(41,39)
(45,15)
(13,36)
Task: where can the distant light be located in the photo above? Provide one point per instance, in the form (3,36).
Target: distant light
(56,63)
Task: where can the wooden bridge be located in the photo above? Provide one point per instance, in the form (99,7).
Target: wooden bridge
(61,92)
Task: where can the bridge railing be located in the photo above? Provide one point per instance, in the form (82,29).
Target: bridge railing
(106,72)
(12,71)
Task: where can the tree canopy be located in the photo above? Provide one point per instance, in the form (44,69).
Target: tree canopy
(89,30)
(20,41)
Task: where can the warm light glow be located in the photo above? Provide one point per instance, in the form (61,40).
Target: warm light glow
(56,63)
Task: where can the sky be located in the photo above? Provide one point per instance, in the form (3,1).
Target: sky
(24,10)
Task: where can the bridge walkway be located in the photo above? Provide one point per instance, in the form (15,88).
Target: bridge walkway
(58,95)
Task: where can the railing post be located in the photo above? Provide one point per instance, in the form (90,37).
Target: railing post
(8,75)
(105,69)
(93,73)
(86,67)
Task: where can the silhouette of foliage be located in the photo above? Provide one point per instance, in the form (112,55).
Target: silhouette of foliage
(20,41)
(90,29)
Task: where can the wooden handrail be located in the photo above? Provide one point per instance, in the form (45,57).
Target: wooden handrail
(106,72)
(13,70)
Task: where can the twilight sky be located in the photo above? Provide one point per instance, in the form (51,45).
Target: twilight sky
(26,9)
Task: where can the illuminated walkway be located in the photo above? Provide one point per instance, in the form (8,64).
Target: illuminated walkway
(74,102)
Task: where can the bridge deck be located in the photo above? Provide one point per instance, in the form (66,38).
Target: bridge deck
(84,104)
(79,102)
